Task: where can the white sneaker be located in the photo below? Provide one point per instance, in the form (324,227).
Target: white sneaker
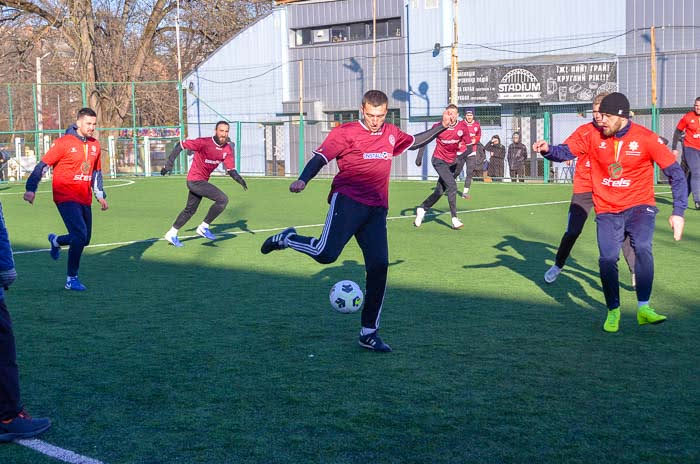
(420,214)
(552,274)
(456,223)
(173,240)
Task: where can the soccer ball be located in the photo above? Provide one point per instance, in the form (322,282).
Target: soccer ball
(346,296)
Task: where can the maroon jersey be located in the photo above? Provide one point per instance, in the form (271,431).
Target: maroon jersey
(451,141)
(474,133)
(207,156)
(364,160)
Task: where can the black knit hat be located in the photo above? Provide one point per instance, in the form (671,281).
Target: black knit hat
(616,104)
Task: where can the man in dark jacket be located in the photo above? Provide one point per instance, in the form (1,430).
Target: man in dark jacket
(517,155)
(498,154)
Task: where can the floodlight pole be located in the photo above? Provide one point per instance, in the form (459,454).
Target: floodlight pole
(453,64)
(374,44)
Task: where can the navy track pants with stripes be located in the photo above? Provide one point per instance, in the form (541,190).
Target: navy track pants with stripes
(347,218)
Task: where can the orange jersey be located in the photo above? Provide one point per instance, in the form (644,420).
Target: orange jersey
(578,144)
(690,124)
(622,169)
(73,162)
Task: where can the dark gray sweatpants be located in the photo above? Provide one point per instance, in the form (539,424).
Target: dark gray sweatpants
(197,190)
(445,184)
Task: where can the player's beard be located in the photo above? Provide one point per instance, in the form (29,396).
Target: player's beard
(220,140)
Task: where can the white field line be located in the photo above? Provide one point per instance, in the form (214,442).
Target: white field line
(55,452)
(307,226)
(123,184)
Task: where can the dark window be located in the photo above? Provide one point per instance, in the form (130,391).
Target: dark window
(382,30)
(394,26)
(339,33)
(304,37)
(358,31)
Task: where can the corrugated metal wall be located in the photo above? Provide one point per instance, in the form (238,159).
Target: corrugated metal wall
(245,80)
(677,52)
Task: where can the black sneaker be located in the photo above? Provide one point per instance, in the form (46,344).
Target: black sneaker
(277,241)
(373,342)
(22,426)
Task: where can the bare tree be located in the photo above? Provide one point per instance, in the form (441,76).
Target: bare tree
(105,42)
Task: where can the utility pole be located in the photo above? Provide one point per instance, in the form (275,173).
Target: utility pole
(39,106)
(374,44)
(453,64)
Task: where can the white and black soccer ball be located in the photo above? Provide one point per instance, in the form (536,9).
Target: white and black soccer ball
(346,296)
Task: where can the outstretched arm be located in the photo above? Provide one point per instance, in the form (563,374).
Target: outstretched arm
(171,159)
(312,168)
(677,136)
(33,181)
(679,189)
(423,138)
(553,152)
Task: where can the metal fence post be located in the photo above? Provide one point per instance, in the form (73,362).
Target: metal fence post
(655,129)
(133,128)
(180,99)
(111,144)
(301,143)
(36,123)
(239,137)
(548,137)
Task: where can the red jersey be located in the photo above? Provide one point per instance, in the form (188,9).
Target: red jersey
(451,141)
(364,160)
(73,162)
(207,156)
(690,123)
(622,169)
(578,144)
(474,133)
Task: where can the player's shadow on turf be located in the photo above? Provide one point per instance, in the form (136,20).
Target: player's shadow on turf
(132,251)
(349,270)
(531,264)
(432,215)
(223,232)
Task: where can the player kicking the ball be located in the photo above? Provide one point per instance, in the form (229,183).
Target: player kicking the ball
(359,200)
(209,152)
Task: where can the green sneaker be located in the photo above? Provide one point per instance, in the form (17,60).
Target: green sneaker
(612,321)
(646,315)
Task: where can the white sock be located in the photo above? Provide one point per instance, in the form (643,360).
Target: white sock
(204,225)
(54,242)
(172,232)
(466,190)
(365,331)
(642,303)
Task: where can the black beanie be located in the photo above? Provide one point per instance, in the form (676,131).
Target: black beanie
(616,104)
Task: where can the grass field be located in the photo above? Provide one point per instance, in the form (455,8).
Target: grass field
(214,353)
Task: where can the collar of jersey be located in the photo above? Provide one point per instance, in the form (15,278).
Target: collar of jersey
(379,132)
(215,143)
(622,132)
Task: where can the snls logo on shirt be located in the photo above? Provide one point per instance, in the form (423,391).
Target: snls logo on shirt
(376,156)
(615,179)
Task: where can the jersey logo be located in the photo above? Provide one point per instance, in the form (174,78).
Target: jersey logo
(208,161)
(608,182)
(602,145)
(660,140)
(378,156)
(73,150)
(460,133)
(94,148)
(615,171)
(392,140)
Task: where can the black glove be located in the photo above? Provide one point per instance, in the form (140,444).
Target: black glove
(237,177)
(164,171)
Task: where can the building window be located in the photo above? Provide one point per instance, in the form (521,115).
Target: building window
(394,27)
(339,33)
(358,31)
(321,35)
(304,37)
(386,28)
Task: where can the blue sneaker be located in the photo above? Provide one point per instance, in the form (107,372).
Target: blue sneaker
(277,241)
(205,232)
(55,250)
(22,426)
(173,240)
(74,284)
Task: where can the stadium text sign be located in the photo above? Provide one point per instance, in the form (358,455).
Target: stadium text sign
(566,83)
